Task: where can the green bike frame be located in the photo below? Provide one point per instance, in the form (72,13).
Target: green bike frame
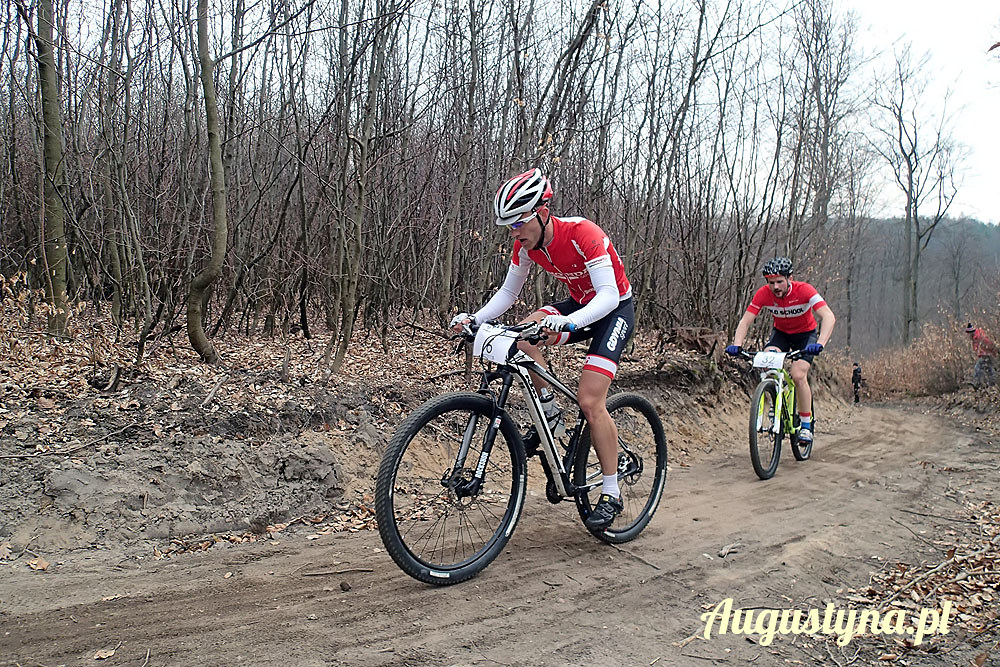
(785,403)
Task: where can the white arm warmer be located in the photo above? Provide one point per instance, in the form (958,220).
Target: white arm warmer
(505,297)
(606,296)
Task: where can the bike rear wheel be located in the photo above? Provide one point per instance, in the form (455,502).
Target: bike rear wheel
(642,467)
(434,521)
(765,430)
(800,451)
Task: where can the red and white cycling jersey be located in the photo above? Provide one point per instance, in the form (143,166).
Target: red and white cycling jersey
(578,245)
(792,314)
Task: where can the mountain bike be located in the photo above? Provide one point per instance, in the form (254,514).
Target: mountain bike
(773,413)
(452,483)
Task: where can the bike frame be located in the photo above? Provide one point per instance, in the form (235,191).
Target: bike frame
(785,397)
(556,467)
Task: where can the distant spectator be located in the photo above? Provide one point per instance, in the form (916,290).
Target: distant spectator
(984,349)
(857,381)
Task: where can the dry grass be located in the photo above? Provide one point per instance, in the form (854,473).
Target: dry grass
(939,361)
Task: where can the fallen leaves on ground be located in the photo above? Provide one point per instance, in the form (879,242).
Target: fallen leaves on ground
(105,653)
(351,520)
(39,564)
(967,576)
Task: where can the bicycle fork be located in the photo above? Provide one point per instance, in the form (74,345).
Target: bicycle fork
(458,477)
(779,406)
(784,409)
(455,478)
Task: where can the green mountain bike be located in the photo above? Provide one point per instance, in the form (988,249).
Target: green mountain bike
(773,413)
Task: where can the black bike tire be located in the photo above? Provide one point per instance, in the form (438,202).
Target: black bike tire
(583,503)
(773,441)
(798,451)
(389,531)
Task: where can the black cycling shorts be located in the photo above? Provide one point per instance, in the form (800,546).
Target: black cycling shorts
(608,335)
(797,341)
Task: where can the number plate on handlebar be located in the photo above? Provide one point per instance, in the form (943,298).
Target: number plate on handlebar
(768,359)
(493,343)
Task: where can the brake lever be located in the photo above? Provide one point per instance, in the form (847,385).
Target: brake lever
(535,338)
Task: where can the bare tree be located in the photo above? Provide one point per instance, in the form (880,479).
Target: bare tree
(347,154)
(917,146)
(53,234)
(828,48)
(203,281)
(854,214)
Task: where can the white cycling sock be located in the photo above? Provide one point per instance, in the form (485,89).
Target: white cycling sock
(610,486)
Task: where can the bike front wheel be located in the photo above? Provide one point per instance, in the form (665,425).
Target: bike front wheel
(765,430)
(436,521)
(642,467)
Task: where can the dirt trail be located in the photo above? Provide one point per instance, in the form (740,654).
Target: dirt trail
(556,596)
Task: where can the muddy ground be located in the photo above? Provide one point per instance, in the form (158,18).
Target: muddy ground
(164,524)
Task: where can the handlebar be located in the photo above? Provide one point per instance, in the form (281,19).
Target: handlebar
(791,355)
(531,332)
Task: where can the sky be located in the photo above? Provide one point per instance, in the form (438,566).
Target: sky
(956,35)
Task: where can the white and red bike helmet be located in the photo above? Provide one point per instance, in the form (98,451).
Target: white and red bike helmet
(523,193)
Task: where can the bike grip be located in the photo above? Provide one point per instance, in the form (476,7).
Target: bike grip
(570,327)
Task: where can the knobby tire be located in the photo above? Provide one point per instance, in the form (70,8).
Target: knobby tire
(765,446)
(642,456)
(434,528)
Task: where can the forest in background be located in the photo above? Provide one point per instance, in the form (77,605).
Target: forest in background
(322,165)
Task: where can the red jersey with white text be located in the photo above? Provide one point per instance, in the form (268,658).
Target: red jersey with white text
(577,246)
(792,314)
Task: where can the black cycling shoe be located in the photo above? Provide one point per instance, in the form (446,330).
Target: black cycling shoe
(604,513)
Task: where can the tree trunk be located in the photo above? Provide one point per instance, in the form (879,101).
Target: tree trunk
(907,273)
(53,232)
(383,33)
(207,276)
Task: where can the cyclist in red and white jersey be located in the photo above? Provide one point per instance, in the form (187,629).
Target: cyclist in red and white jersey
(984,349)
(792,303)
(580,255)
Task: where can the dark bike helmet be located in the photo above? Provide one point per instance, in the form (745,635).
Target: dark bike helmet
(779,266)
